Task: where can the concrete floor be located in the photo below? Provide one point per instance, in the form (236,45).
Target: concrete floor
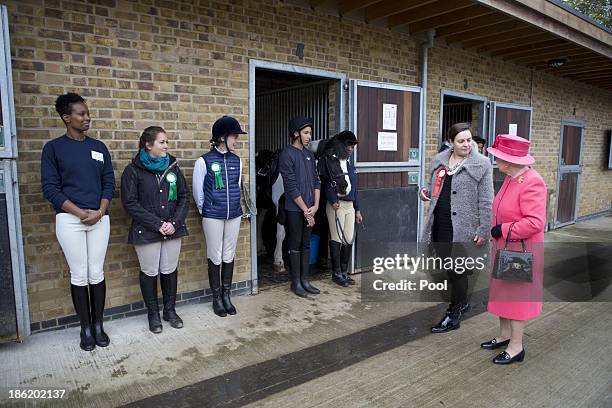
(568,362)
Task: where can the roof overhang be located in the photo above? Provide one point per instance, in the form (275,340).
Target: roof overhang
(544,34)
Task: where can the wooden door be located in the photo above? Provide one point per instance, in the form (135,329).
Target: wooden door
(386,120)
(570,167)
(371,103)
(505,119)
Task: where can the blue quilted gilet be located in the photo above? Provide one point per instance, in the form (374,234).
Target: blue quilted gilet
(223,203)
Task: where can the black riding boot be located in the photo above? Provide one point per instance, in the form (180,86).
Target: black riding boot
(168,286)
(345,256)
(295,259)
(450,321)
(334,250)
(80,300)
(214,279)
(148,287)
(97,296)
(226,286)
(305,273)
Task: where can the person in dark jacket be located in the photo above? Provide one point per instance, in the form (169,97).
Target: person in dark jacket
(78,179)
(154,193)
(342,213)
(216,189)
(302,189)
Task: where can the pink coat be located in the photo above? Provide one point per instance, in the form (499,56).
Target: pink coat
(521,200)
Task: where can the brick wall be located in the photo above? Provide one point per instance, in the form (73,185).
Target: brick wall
(169,63)
(182,64)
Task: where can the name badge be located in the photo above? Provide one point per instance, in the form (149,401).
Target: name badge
(97,156)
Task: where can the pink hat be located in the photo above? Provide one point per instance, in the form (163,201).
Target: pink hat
(513,149)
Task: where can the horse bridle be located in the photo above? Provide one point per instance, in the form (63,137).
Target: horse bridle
(332,176)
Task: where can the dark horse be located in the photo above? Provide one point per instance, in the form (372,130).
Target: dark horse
(332,156)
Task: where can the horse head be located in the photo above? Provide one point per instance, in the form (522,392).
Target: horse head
(332,156)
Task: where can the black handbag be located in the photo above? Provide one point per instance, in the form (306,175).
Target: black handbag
(513,265)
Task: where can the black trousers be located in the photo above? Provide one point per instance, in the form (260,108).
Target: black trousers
(442,238)
(298,232)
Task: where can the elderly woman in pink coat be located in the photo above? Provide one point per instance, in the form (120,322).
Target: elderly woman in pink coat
(520,204)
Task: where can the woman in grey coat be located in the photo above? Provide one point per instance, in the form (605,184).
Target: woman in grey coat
(460,193)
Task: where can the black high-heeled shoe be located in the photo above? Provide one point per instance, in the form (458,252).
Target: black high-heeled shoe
(504,358)
(494,344)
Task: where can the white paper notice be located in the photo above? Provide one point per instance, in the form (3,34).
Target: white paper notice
(389,116)
(387,141)
(513,129)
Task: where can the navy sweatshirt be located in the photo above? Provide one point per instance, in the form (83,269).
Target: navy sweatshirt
(300,178)
(353,195)
(79,171)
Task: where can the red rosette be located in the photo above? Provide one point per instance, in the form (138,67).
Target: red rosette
(441,173)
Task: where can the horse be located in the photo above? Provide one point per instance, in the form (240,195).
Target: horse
(269,191)
(332,157)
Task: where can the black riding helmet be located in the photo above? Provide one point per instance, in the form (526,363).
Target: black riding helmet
(347,137)
(224,126)
(298,123)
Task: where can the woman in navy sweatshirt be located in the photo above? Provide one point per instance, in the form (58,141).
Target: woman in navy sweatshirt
(78,179)
(216,190)
(154,193)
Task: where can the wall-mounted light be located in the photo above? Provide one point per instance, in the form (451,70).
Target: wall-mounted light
(299,51)
(557,62)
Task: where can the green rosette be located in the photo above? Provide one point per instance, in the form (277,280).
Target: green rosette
(171,179)
(216,169)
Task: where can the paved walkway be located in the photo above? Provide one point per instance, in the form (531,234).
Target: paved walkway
(329,350)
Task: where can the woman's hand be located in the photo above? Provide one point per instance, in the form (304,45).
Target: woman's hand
(358,217)
(424,194)
(336,205)
(82,214)
(479,241)
(167,228)
(93,216)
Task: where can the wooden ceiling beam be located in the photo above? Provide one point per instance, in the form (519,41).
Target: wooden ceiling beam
(558,51)
(507,46)
(545,57)
(472,24)
(388,8)
(521,49)
(448,18)
(485,31)
(497,37)
(348,6)
(584,68)
(571,62)
(503,45)
(428,11)
(578,67)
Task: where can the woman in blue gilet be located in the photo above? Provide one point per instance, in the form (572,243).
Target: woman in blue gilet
(216,190)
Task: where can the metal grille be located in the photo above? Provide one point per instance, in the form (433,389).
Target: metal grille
(455,113)
(273,111)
